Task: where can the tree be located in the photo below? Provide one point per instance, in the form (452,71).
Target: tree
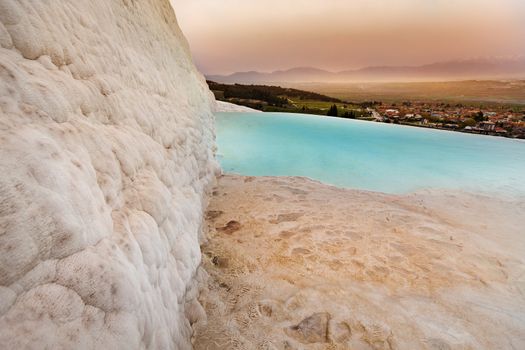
(479,117)
(349,115)
(467,122)
(333,112)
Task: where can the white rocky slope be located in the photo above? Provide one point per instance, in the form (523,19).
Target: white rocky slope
(106,142)
(227,107)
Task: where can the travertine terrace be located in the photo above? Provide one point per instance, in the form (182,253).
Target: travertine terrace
(222,106)
(295,264)
(106,152)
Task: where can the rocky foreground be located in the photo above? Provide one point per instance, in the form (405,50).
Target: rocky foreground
(295,264)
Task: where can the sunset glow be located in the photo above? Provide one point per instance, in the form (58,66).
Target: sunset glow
(241,35)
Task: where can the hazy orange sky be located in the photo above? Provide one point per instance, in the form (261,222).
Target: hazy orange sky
(241,35)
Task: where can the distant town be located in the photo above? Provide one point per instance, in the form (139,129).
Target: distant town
(489,119)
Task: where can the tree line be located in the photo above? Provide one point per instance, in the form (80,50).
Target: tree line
(273,95)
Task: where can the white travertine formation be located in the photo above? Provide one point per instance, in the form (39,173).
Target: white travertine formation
(295,264)
(106,153)
(227,107)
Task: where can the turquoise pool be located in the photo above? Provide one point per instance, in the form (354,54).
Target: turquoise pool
(366,155)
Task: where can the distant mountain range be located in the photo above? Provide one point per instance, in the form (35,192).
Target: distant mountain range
(485,68)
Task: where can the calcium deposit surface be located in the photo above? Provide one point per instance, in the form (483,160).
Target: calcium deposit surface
(296,264)
(106,152)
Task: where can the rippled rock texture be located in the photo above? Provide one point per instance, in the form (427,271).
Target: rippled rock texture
(106,152)
(295,264)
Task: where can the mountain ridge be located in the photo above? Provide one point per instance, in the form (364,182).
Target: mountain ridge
(479,68)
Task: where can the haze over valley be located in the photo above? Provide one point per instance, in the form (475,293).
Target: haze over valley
(481,68)
(337,35)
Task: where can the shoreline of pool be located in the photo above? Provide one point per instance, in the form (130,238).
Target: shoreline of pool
(421,191)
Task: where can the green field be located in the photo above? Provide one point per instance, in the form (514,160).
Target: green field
(476,93)
(320,105)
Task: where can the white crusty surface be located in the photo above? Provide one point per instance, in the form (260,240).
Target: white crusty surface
(222,106)
(296,264)
(106,152)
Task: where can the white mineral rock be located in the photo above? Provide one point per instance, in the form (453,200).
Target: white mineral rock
(222,106)
(295,264)
(106,154)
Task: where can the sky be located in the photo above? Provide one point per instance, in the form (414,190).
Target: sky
(229,36)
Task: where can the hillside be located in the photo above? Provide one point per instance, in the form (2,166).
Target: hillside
(278,99)
(272,95)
